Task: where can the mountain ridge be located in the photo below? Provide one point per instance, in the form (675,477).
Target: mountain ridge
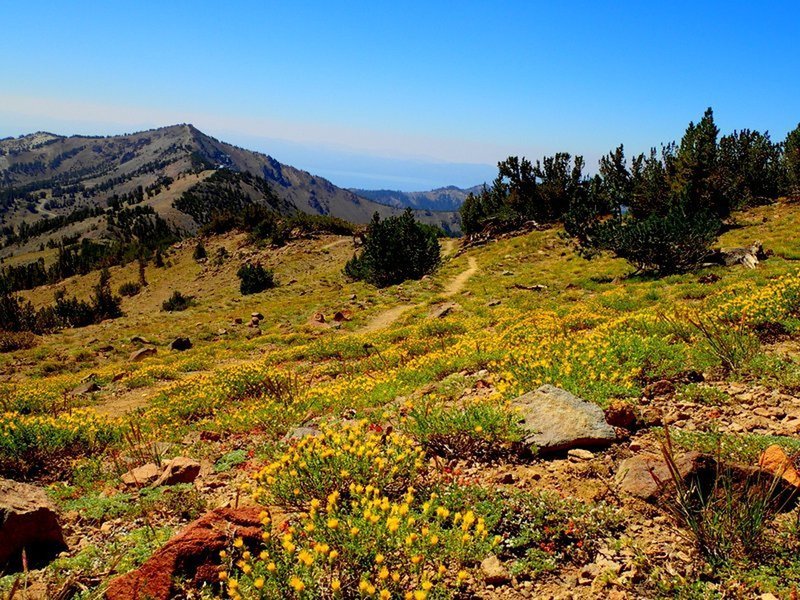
(46,175)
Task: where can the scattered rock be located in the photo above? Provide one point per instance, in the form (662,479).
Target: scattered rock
(137,339)
(257,315)
(530,288)
(180,344)
(191,557)
(658,389)
(88,387)
(645,475)
(117,377)
(105,349)
(318,317)
(143,353)
(554,420)
(507,478)
(210,436)
(238,321)
(494,573)
(620,414)
(775,461)
(254,322)
(494,303)
(141,476)
(342,315)
(179,470)
(28,521)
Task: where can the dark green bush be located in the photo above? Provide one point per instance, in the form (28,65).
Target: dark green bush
(130,288)
(395,250)
(254,279)
(177,302)
(663,244)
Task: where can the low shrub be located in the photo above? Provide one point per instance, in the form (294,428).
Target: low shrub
(130,288)
(10,341)
(319,465)
(177,302)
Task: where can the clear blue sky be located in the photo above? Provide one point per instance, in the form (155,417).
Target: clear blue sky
(403,95)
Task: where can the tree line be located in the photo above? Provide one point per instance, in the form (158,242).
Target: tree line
(659,210)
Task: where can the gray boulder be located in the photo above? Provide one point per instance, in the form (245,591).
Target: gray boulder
(555,420)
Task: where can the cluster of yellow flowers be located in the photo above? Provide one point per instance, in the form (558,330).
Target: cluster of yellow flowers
(367,545)
(777,300)
(358,453)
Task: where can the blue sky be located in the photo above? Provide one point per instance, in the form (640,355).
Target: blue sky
(406,95)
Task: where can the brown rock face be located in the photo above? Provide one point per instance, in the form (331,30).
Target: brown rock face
(192,556)
(28,522)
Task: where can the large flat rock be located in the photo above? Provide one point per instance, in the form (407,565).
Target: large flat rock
(556,420)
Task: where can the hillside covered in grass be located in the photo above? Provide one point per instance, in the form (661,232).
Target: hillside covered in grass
(374,430)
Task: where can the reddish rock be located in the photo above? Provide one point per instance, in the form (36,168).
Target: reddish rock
(192,557)
(644,475)
(342,315)
(141,476)
(179,470)
(620,414)
(775,461)
(28,521)
(659,388)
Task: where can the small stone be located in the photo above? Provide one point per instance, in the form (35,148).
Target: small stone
(257,315)
(86,388)
(775,461)
(620,414)
(237,321)
(494,573)
(579,454)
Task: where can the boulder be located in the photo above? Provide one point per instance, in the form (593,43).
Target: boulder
(775,461)
(747,256)
(179,470)
(554,420)
(645,475)
(142,354)
(29,522)
(141,476)
(180,344)
(192,557)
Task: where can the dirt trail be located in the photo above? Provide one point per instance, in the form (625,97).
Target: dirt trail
(334,244)
(459,281)
(453,287)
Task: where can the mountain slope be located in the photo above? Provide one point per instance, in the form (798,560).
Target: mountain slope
(448,198)
(43,175)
